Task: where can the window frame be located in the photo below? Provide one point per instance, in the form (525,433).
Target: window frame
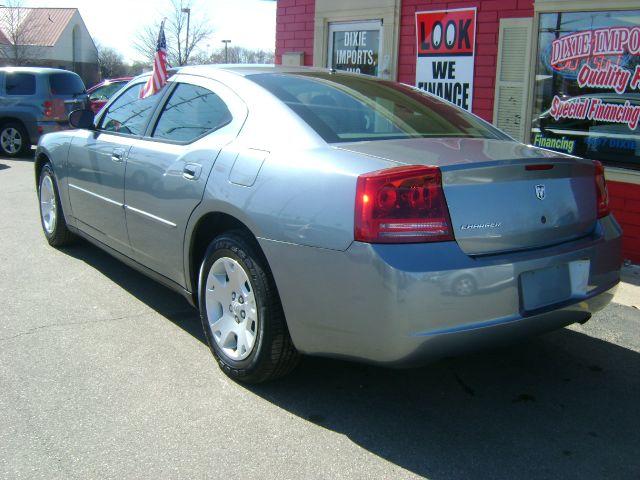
(234,103)
(151,128)
(566,7)
(356,26)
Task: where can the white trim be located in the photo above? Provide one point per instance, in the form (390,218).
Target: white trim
(529,24)
(552,6)
(151,216)
(89,192)
(623,175)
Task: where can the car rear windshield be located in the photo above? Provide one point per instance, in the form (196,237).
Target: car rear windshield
(65,84)
(350,108)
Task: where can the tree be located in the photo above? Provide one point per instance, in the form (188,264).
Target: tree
(111,63)
(138,67)
(19,31)
(178,50)
(235,54)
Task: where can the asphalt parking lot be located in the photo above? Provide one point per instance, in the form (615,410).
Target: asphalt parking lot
(104,374)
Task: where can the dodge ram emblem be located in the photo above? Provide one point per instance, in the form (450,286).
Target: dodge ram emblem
(540,192)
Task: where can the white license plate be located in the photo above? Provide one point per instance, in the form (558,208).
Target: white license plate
(556,284)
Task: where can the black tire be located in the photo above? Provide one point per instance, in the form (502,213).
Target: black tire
(273,353)
(58,235)
(25,144)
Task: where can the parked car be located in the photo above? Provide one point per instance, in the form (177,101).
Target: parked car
(311,212)
(35,101)
(101,92)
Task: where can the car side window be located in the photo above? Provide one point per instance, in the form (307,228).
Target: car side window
(190,112)
(18,83)
(129,113)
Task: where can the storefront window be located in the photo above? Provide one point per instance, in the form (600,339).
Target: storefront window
(587,89)
(355,47)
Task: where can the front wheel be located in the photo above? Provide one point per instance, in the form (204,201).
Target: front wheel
(52,219)
(241,312)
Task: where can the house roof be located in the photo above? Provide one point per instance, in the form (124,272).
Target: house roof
(37,26)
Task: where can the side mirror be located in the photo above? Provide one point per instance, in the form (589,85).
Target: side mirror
(82,119)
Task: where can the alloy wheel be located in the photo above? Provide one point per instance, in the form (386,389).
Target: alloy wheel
(48,203)
(11,140)
(231,308)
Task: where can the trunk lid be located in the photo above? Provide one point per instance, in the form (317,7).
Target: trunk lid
(495,202)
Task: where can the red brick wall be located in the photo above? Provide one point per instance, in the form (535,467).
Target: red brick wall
(489,13)
(625,205)
(294,28)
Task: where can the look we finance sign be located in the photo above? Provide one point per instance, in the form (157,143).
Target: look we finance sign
(445,54)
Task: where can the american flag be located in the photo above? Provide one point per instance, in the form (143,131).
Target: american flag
(158,78)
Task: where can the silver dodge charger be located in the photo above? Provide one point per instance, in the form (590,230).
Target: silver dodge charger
(305,211)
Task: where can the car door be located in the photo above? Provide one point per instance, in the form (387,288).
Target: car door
(168,169)
(97,164)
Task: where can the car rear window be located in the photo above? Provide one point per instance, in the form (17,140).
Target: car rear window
(65,84)
(19,83)
(351,108)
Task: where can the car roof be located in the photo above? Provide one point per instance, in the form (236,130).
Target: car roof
(247,69)
(238,69)
(35,70)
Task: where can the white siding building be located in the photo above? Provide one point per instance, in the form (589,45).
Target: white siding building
(48,37)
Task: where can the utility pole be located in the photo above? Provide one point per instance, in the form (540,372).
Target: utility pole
(186,47)
(226,52)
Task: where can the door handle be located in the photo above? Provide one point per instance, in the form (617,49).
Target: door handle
(191,171)
(117,155)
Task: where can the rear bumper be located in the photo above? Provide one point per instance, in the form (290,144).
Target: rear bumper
(399,304)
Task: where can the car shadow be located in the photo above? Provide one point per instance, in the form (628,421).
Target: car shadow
(166,302)
(25,157)
(4,166)
(564,405)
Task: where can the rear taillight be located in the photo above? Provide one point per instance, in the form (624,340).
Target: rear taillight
(48,108)
(602,195)
(402,205)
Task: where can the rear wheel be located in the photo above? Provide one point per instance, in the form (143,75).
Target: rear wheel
(241,312)
(52,219)
(14,140)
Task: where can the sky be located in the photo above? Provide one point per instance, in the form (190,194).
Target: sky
(114,23)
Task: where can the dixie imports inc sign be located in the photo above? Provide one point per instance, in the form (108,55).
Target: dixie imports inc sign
(445,54)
